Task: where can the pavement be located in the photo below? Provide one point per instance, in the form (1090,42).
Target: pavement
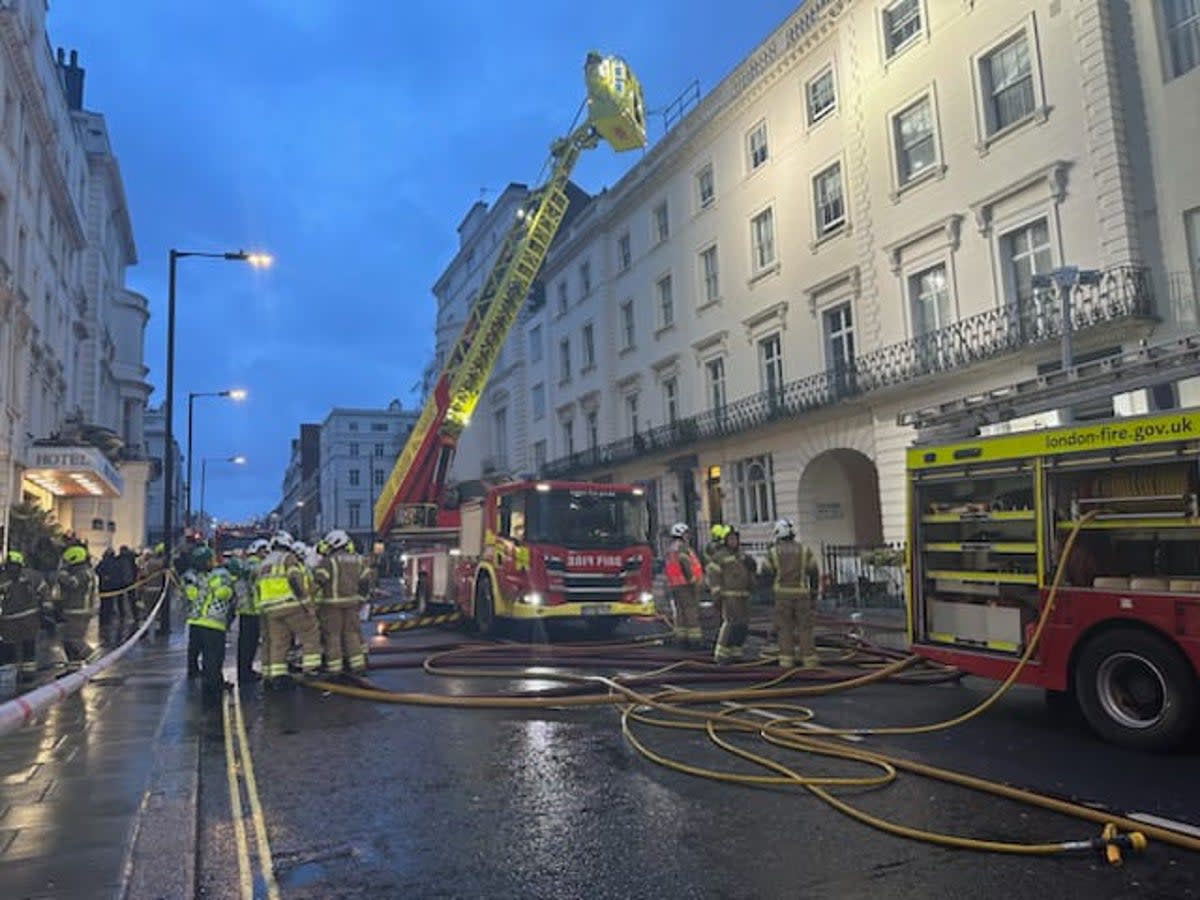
(98,798)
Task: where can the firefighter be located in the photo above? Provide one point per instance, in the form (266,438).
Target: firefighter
(21,593)
(249,620)
(152,574)
(794,573)
(283,604)
(77,595)
(342,577)
(210,600)
(737,571)
(712,568)
(684,577)
(199,562)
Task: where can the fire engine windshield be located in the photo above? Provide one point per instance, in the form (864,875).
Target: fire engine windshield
(584,519)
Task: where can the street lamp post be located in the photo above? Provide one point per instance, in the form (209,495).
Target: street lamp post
(258,260)
(1065,279)
(232,394)
(235,460)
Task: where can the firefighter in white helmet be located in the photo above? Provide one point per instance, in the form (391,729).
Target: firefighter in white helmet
(794,574)
(286,611)
(341,581)
(684,577)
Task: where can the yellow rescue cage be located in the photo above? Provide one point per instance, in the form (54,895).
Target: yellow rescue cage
(615,106)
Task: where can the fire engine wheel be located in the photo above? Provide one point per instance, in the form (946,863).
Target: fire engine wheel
(485,608)
(1135,689)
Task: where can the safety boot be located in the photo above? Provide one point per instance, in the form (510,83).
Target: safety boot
(812,661)
(786,662)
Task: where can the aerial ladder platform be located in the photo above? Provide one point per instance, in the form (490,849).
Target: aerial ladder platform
(410,499)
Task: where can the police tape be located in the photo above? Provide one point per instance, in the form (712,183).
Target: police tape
(386,609)
(419,622)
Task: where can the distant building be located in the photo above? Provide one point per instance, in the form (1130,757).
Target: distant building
(357,449)
(72,378)
(301,507)
(155,429)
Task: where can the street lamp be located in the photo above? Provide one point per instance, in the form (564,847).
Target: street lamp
(1065,279)
(235,460)
(258,261)
(232,394)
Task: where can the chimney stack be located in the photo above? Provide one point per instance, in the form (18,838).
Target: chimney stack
(72,75)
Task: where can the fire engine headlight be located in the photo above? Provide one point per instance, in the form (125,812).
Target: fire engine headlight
(646,597)
(533,598)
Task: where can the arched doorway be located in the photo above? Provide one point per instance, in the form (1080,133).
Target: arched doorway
(839,500)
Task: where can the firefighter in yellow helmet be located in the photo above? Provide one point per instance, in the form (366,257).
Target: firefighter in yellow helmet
(342,581)
(77,597)
(712,567)
(795,575)
(21,594)
(286,612)
(737,571)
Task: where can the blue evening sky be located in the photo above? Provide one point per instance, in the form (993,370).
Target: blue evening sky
(347,138)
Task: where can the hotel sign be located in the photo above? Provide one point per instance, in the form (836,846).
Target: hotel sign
(75,471)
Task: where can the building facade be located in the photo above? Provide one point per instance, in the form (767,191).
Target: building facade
(72,379)
(358,448)
(301,507)
(849,227)
(156,435)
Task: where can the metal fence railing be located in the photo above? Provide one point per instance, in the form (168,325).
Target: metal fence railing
(863,577)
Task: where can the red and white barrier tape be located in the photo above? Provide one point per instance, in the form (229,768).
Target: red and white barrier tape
(21,710)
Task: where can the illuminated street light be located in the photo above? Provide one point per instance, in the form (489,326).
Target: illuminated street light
(234,460)
(232,394)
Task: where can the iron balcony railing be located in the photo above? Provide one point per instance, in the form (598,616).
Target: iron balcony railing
(1123,292)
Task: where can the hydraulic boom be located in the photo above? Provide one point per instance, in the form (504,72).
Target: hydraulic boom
(412,493)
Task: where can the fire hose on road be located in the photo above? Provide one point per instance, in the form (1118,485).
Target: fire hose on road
(645,700)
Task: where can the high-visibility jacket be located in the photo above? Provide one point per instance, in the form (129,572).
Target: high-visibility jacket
(244,587)
(793,566)
(683,566)
(281,581)
(210,599)
(77,589)
(737,572)
(342,579)
(21,591)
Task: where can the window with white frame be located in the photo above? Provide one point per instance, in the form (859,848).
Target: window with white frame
(568,436)
(628,332)
(500,437)
(821,96)
(538,401)
(670,391)
(770,364)
(1026,252)
(757,151)
(355,475)
(377,477)
(916,146)
(662,222)
(564,360)
(378,450)
(592,421)
(706,191)
(535,344)
(353,426)
(1006,78)
(666,302)
(585,278)
(839,338)
(755,492)
(631,413)
(829,200)
(901,24)
(539,455)
(714,374)
(1181,26)
(929,297)
(624,252)
(354,513)
(353,449)
(589,347)
(710,274)
(562,298)
(762,240)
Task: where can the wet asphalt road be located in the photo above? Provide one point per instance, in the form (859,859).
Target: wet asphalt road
(366,800)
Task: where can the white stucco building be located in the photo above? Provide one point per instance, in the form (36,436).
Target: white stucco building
(358,448)
(847,227)
(72,379)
